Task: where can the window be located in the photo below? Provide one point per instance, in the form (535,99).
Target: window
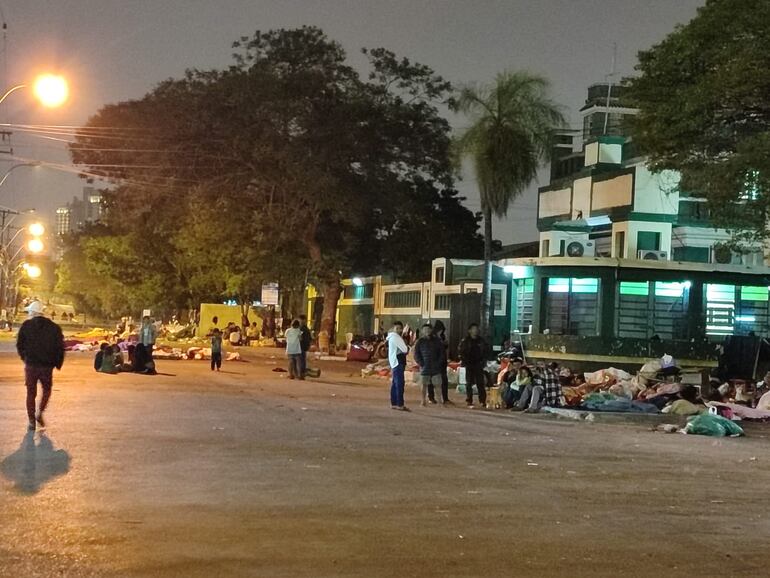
(647,241)
(546,248)
(572,306)
(441,302)
(732,310)
(497,300)
(525,291)
(439,278)
(402,299)
(647,308)
(358,292)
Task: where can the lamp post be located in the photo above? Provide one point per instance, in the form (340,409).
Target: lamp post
(50,89)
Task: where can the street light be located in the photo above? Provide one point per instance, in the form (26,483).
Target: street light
(18,166)
(35,246)
(50,89)
(37,229)
(33,271)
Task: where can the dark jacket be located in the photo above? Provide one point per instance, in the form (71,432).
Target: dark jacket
(439,330)
(473,352)
(305,339)
(40,343)
(429,355)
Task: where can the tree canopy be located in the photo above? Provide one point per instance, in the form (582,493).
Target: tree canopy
(704,100)
(287,165)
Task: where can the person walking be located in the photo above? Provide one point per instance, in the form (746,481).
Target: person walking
(397,350)
(473,355)
(40,344)
(294,350)
(304,341)
(216,350)
(429,355)
(439,330)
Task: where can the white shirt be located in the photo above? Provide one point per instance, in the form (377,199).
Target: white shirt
(293,346)
(396,345)
(764,402)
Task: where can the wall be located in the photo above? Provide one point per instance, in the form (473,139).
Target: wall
(656,193)
(615,192)
(581,198)
(555,203)
(226,314)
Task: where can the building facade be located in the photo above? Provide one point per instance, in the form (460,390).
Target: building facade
(80,211)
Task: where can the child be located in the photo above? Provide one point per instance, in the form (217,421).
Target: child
(216,349)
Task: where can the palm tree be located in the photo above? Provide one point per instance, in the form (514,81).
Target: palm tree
(510,137)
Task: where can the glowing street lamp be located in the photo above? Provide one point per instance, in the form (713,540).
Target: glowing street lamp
(51,90)
(36,229)
(35,246)
(33,271)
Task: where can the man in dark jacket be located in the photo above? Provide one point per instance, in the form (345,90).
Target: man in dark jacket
(473,355)
(439,330)
(40,344)
(305,339)
(429,355)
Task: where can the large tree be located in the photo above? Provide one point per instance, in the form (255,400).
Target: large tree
(315,172)
(513,122)
(704,110)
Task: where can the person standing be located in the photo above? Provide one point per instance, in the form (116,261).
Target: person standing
(304,341)
(397,350)
(473,355)
(439,330)
(216,350)
(40,344)
(429,355)
(148,334)
(294,350)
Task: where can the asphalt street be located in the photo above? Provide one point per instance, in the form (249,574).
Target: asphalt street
(245,473)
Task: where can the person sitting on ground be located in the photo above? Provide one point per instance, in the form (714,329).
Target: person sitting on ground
(235,337)
(429,354)
(108,360)
(545,390)
(100,356)
(252,333)
(512,391)
(689,403)
(228,330)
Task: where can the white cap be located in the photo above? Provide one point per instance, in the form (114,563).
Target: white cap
(35,308)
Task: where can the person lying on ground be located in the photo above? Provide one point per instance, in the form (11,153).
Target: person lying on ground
(429,355)
(689,403)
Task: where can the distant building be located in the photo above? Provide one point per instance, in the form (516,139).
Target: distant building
(80,211)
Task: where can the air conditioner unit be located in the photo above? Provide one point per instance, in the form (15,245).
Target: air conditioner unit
(646,255)
(580,249)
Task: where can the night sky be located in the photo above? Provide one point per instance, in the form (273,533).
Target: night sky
(114,50)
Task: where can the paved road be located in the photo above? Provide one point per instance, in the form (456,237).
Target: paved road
(247,474)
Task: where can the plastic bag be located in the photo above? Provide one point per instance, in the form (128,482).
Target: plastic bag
(712,425)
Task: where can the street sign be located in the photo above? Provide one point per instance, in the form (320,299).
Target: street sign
(270,294)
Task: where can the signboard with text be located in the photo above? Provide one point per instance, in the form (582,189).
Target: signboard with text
(270,294)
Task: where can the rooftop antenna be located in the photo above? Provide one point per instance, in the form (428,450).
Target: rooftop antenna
(610,78)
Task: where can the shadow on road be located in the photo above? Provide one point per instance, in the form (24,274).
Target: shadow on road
(34,464)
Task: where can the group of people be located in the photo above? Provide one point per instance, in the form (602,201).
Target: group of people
(522,387)
(431,353)
(138,349)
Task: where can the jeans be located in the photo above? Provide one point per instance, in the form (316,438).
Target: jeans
(294,366)
(532,395)
(474,375)
(33,374)
(397,386)
(303,363)
(216,360)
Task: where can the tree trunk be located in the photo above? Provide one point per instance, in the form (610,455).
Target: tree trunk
(486,297)
(332,291)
